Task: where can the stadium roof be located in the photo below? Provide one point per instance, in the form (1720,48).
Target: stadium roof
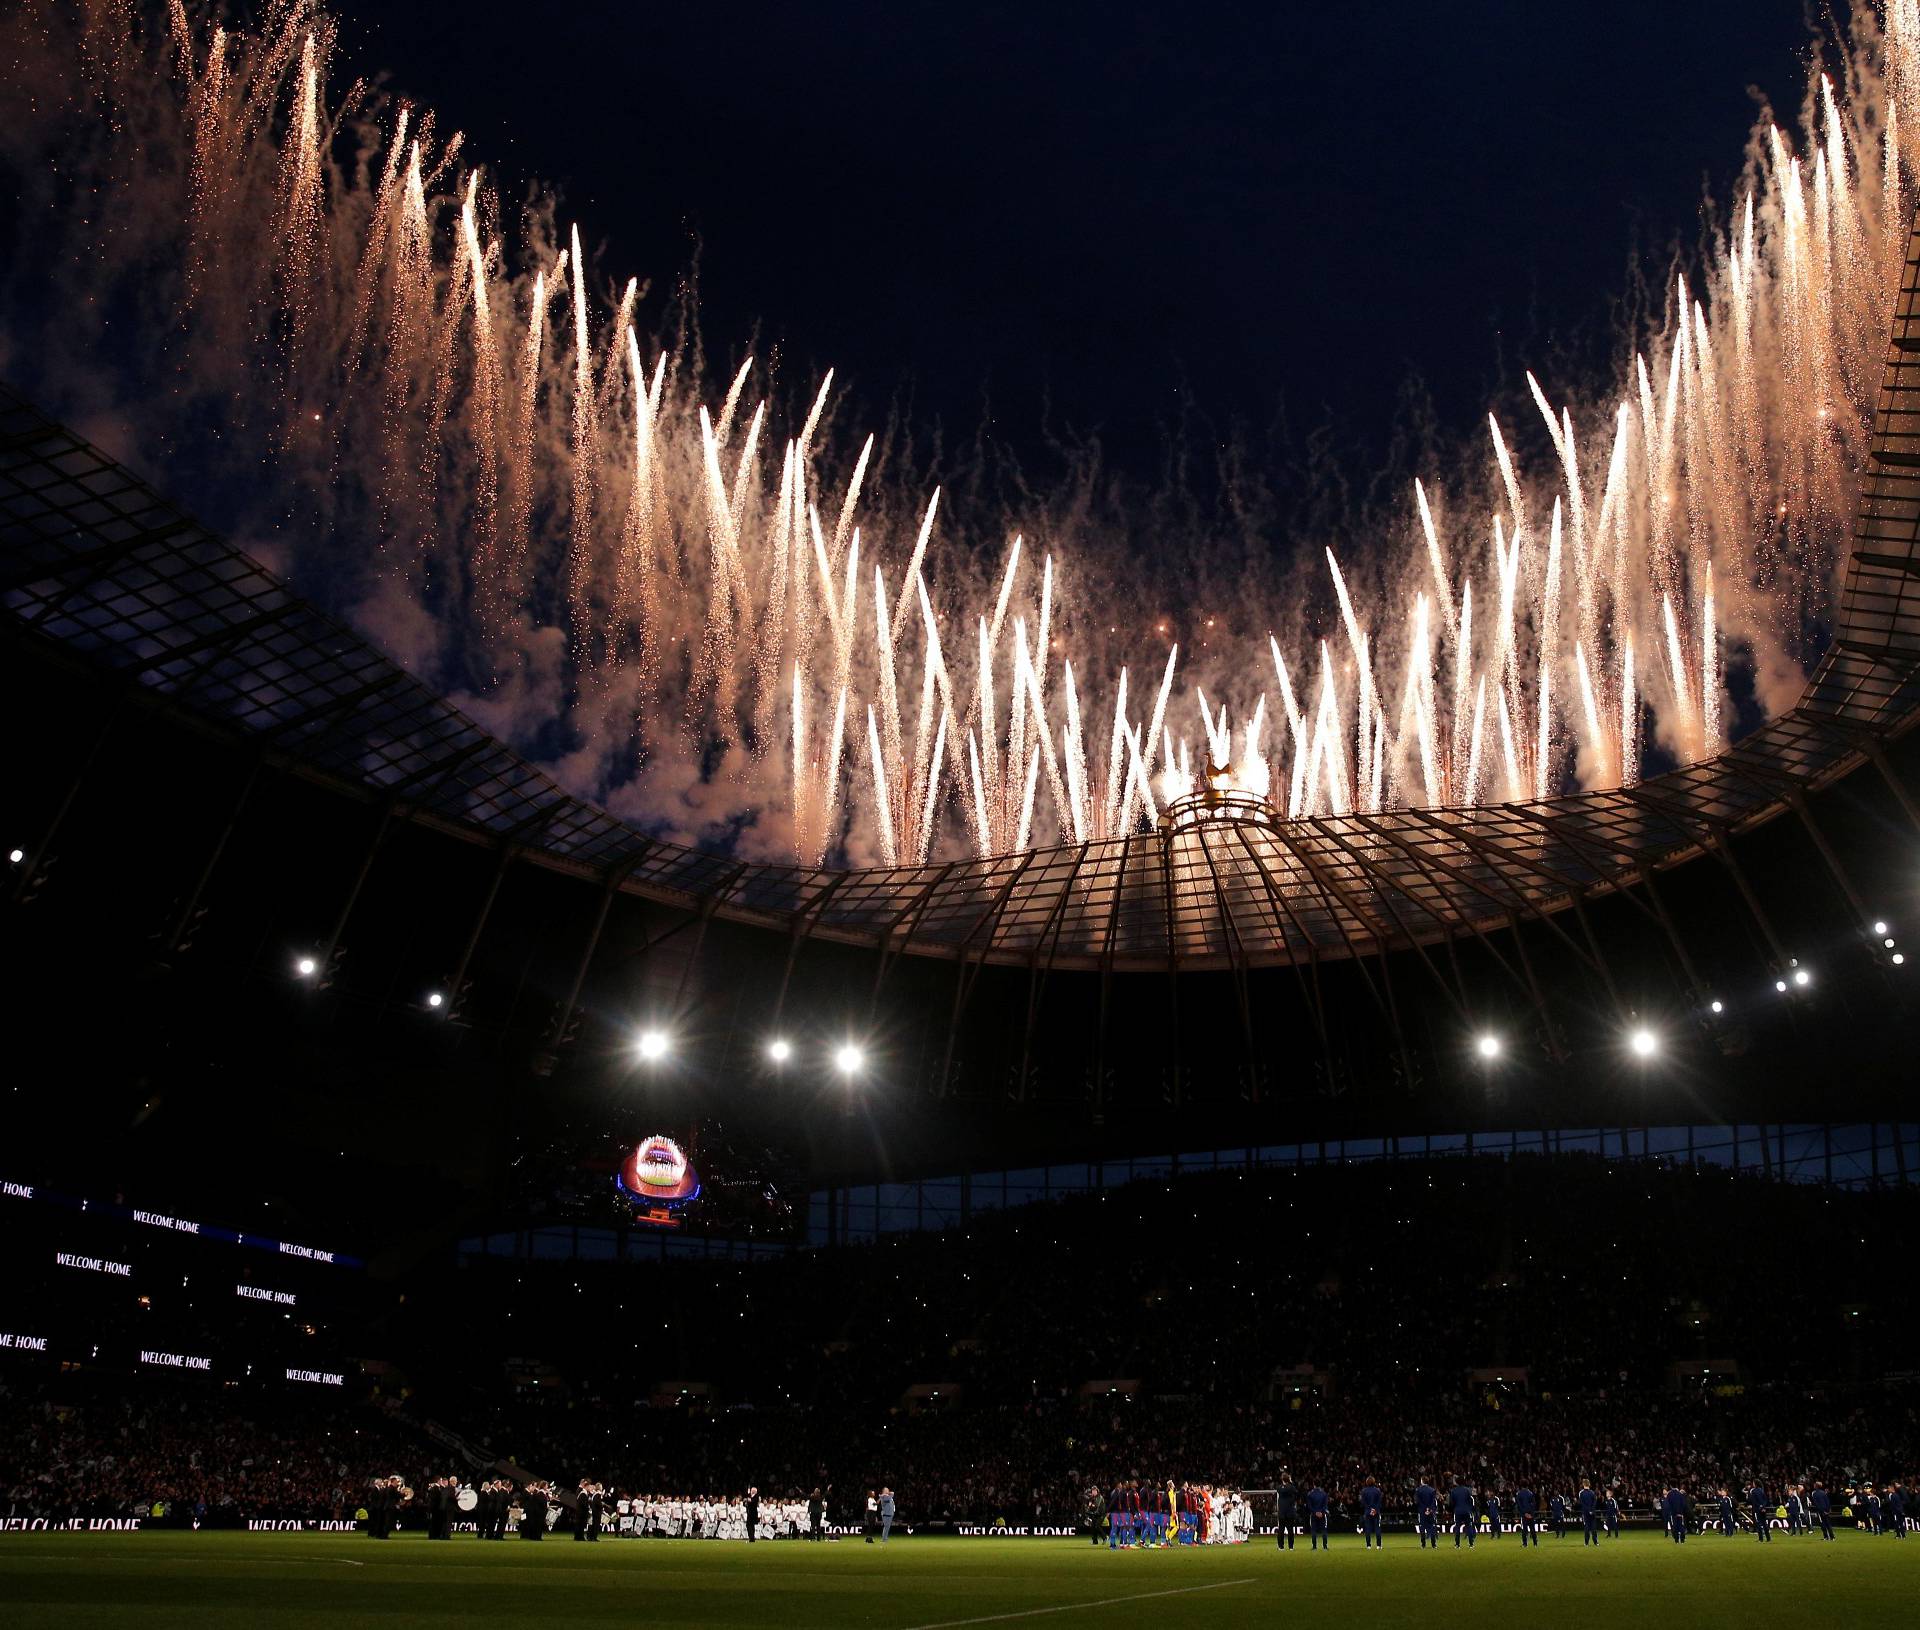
(94,560)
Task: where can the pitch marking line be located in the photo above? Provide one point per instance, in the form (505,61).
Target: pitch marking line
(1078,1607)
(302,1561)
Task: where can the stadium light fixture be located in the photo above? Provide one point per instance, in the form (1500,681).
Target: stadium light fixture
(1879,927)
(1643,1042)
(1781,986)
(15,856)
(1487,1046)
(849,1059)
(1802,977)
(305,967)
(1717,1006)
(652,1045)
(1899,957)
(1888,942)
(435,999)
(780,1049)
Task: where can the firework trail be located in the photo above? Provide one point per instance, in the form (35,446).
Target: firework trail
(620,561)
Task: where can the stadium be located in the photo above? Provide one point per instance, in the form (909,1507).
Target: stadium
(411,1141)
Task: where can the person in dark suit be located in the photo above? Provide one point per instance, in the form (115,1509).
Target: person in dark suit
(1526,1516)
(582,1511)
(1762,1514)
(751,1505)
(1426,1515)
(1675,1506)
(1589,1504)
(1897,1511)
(1317,1538)
(1460,1507)
(533,1501)
(380,1509)
(816,1516)
(1373,1502)
(1494,1529)
(1286,1512)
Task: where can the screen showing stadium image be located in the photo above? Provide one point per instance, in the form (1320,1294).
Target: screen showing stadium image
(658,1178)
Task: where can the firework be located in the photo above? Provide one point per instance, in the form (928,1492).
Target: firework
(631,570)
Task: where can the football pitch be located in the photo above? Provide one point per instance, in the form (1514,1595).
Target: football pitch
(297,1581)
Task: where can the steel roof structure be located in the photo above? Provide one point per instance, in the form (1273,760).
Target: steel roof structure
(95,561)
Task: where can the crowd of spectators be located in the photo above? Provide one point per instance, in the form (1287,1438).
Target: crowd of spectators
(1535,1318)
(1542,1320)
(101,1446)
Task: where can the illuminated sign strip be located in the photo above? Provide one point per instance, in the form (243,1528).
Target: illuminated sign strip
(175,1361)
(177,1225)
(93,1264)
(254,1293)
(196,1363)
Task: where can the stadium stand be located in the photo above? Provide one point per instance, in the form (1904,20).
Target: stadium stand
(1541,1319)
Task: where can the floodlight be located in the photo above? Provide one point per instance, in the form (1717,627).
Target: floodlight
(1488,1046)
(848,1058)
(435,999)
(1644,1043)
(1717,1005)
(305,967)
(653,1045)
(780,1050)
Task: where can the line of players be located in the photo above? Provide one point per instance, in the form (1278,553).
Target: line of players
(499,1506)
(1148,1517)
(691,1516)
(1804,1511)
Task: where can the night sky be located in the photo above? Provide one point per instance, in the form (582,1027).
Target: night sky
(1119,213)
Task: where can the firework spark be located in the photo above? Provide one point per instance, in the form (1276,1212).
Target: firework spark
(608,554)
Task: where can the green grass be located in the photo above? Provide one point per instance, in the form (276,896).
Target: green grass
(296,1581)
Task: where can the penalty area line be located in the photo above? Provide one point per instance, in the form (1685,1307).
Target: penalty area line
(1080,1607)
